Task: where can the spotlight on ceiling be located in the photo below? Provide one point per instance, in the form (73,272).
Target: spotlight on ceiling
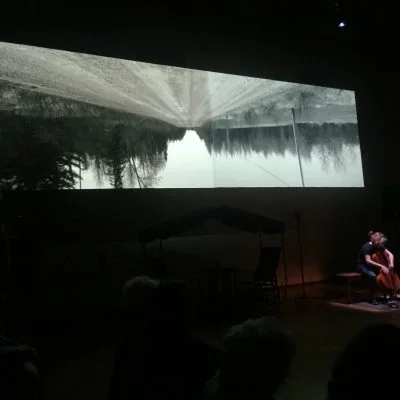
(342,24)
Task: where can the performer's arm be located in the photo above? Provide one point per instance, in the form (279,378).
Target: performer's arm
(389,257)
(373,263)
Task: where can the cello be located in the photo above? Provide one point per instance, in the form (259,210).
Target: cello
(389,283)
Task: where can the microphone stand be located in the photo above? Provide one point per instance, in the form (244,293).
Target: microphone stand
(304,296)
(4,264)
(297,215)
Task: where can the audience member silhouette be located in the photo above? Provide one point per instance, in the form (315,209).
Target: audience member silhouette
(255,361)
(157,357)
(19,374)
(131,354)
(182,365)
(364,370)
(136,302)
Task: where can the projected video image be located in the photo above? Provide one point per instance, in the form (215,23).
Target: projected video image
(78,121)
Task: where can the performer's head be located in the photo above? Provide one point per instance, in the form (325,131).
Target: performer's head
(377,239)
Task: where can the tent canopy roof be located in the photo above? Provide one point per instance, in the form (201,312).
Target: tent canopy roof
(230,216)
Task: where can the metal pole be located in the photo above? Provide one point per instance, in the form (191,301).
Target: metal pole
(80,174)
(297,147)
(297,216)
(284,258)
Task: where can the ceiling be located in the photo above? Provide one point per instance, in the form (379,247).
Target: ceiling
(289,35)
(310,18)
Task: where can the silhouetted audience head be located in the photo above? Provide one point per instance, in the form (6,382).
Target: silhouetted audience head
(137,291)
(137,295)
(136,302)
(19,377)
(365,369)
(180,364)
(255,360)
(172,308)
(127,376)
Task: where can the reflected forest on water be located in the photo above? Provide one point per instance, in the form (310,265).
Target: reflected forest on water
(71,135)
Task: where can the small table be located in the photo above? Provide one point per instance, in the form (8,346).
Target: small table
(350,277)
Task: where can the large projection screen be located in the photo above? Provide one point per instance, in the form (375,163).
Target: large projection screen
(79,121)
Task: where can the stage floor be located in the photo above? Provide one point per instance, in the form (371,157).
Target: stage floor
(320,328)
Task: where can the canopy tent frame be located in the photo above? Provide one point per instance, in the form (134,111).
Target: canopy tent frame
(230,216)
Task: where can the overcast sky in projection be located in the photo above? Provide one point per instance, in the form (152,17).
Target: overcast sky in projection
(191,99)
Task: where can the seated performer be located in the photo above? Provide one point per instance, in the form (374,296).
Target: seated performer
(370,268)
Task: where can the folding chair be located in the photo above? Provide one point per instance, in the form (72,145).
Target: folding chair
(265,282)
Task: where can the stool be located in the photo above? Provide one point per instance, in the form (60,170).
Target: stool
(350,277)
